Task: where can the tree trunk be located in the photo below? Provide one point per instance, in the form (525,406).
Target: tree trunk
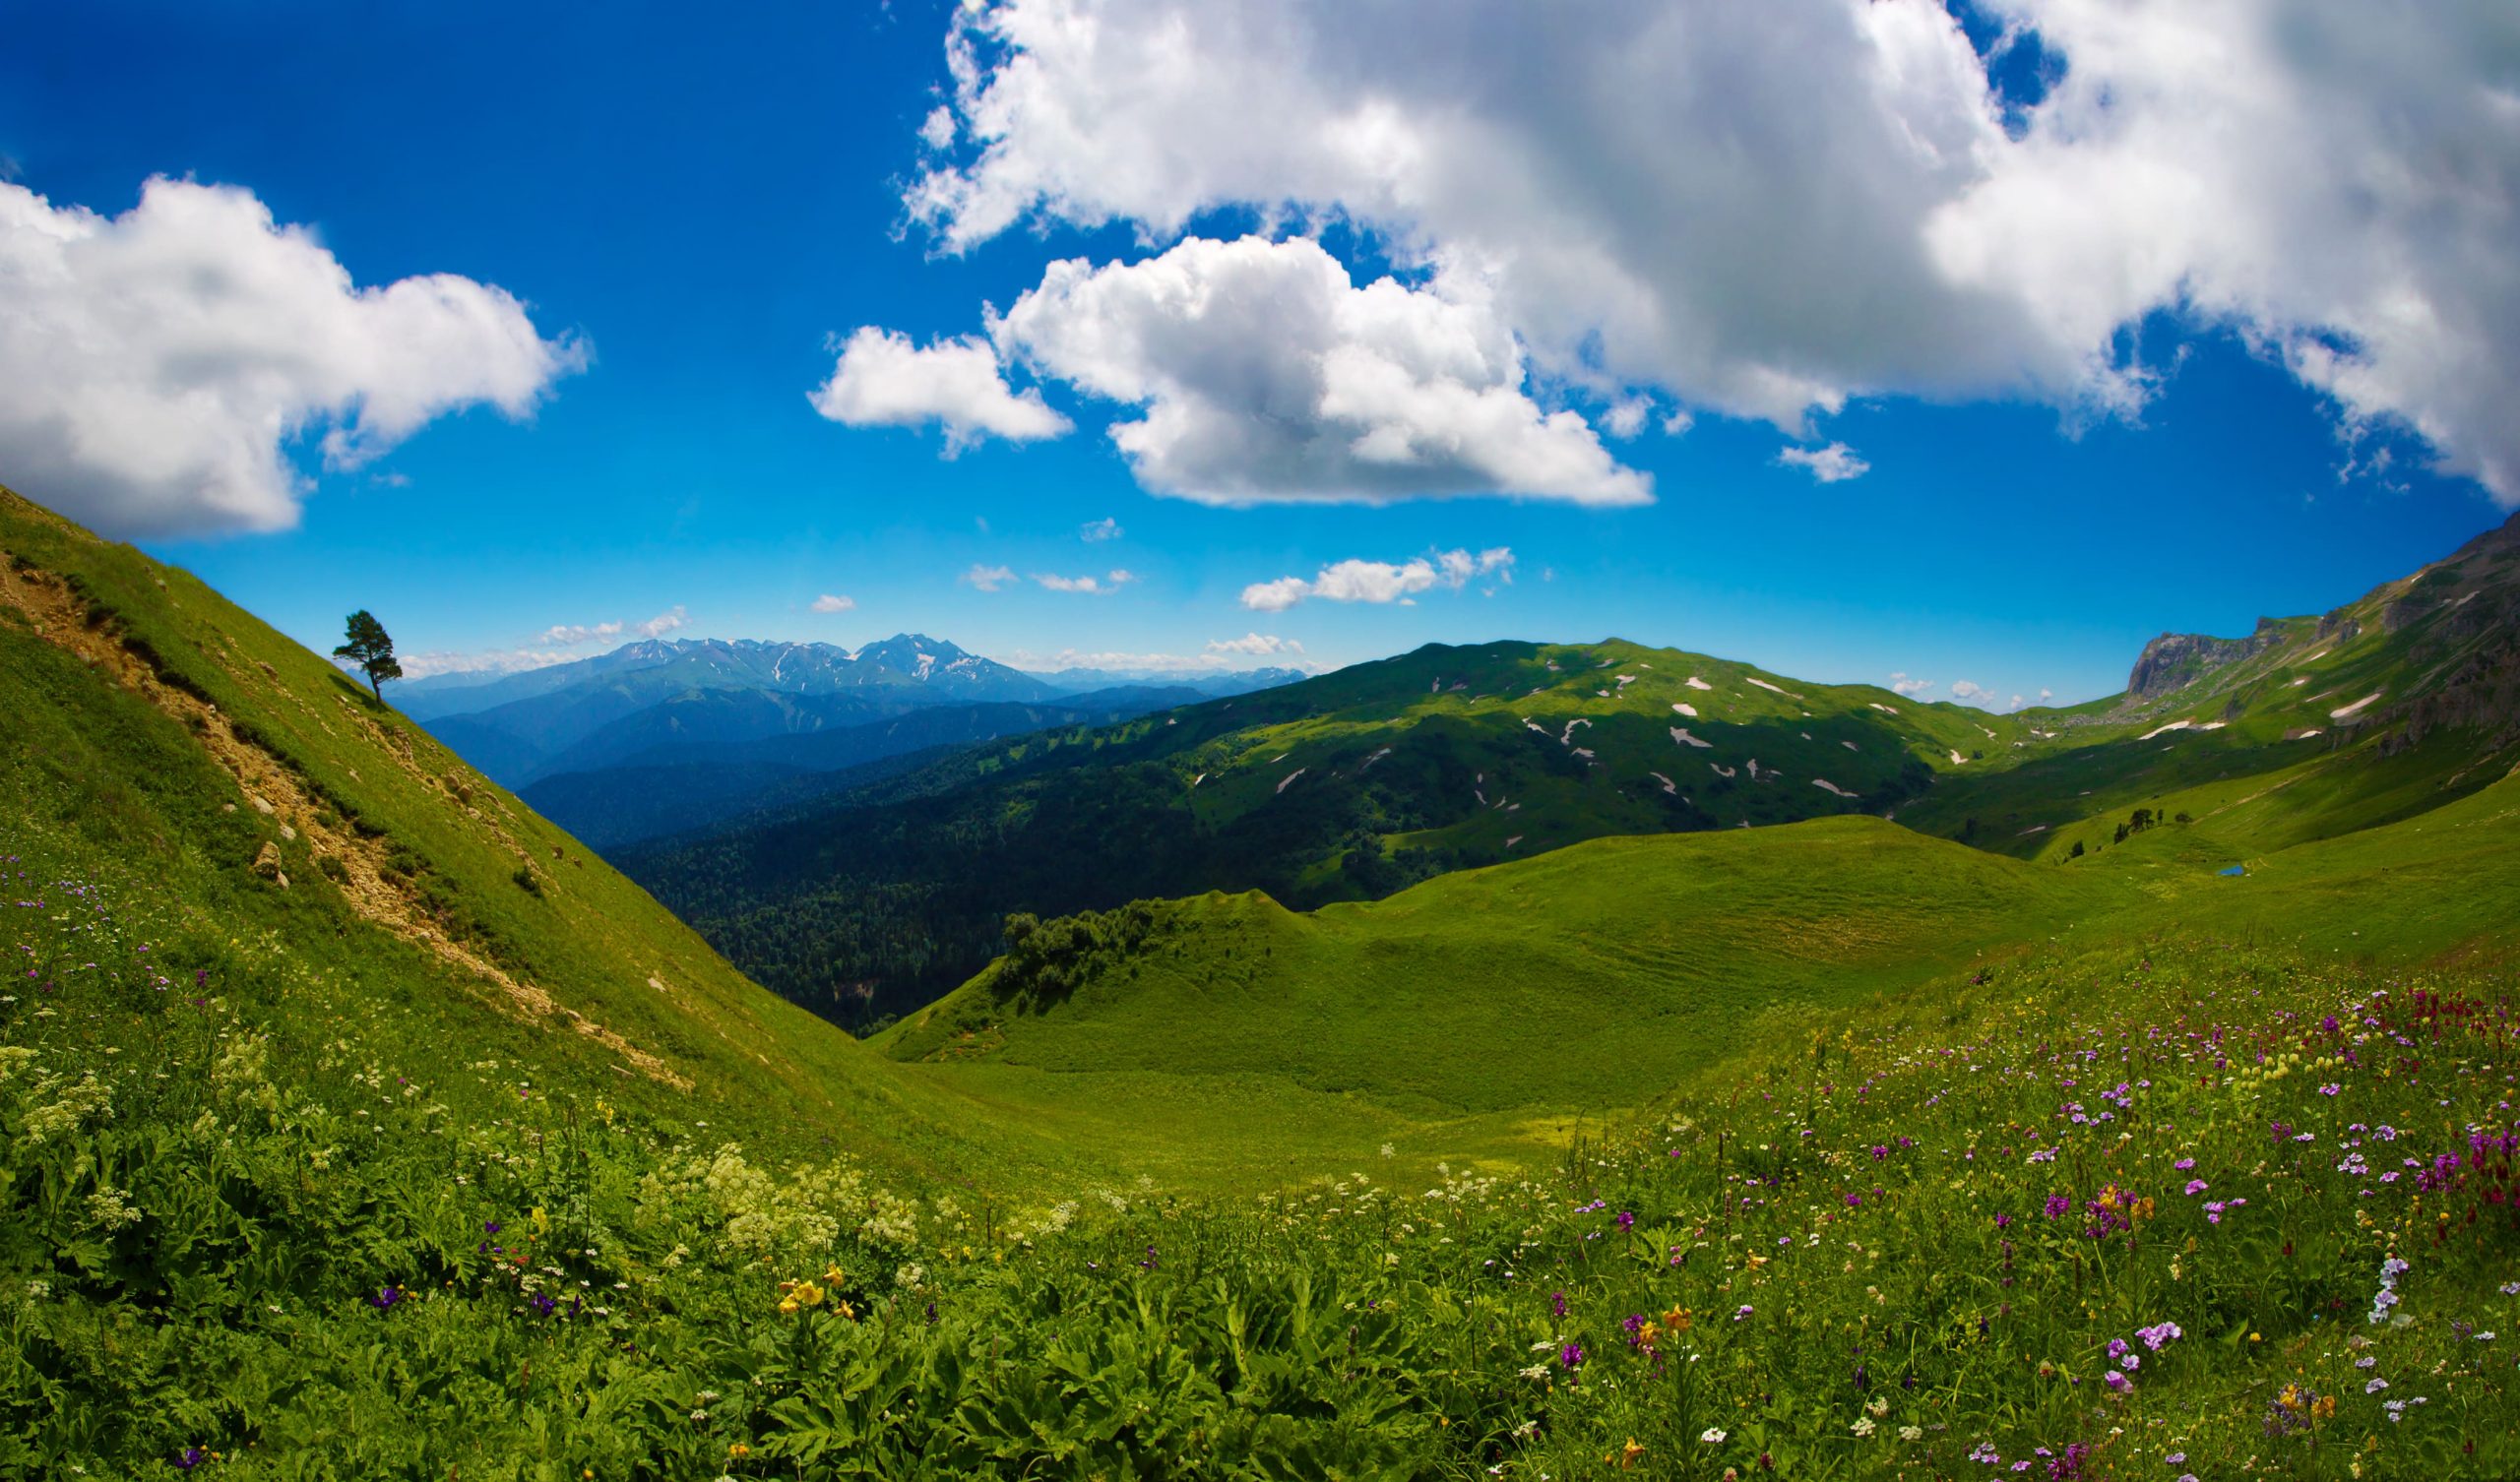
(374,688)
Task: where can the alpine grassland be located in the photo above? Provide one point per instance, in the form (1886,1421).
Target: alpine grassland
(357,1123)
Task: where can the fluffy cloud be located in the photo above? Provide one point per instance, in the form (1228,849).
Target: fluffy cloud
(1094,530)
(159,361)
(1254,645)
(883,380)
(558,643)
(827,602)
(661,624)
(570,635)
(1900,683)
(493,662)
(988,578)
(1263,373)
(1962,689)
(1382,582)
(578,634)
(1111,583)
(1834,464)
(1767,210)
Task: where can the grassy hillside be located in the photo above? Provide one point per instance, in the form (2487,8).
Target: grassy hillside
(1612,969)
(2310,727)
(1913,1239)
(1356,784)
(1347,786)
(354,1124)
(298,837)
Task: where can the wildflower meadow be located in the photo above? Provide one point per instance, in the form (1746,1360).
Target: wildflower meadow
(2177,1210)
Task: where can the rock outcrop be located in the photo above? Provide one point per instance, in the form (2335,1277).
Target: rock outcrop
(2176,659)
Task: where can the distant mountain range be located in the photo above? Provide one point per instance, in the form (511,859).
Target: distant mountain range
(664,736)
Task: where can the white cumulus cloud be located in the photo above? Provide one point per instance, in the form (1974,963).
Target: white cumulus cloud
(828,602)
(1962,689)
(987,578)
(158,363)
(1260,372)
(494,661)
(1834,464)
(1766,209)
(573,634)
(1382,582)
(1254,645)
(1093,531)
(884,380)
(1109,582)
(1902,684)
(661,624)
(578,634)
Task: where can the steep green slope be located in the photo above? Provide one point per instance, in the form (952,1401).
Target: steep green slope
(2390,705)
(162,740)
(1347,786)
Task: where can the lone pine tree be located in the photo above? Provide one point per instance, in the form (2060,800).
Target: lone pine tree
(372,649)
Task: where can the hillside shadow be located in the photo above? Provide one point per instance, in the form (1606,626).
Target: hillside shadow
(357,692)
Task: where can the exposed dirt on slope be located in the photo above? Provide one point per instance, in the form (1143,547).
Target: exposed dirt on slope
(272,788)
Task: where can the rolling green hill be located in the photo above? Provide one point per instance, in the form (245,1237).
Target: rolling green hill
(1612,970)
(1347,786)
(1362,782)
(1602,975)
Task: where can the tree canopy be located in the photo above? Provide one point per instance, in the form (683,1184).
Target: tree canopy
(370,648)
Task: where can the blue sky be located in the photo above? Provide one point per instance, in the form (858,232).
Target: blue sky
(703,204)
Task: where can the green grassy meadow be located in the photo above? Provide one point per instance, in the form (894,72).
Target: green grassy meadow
(357,1123)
